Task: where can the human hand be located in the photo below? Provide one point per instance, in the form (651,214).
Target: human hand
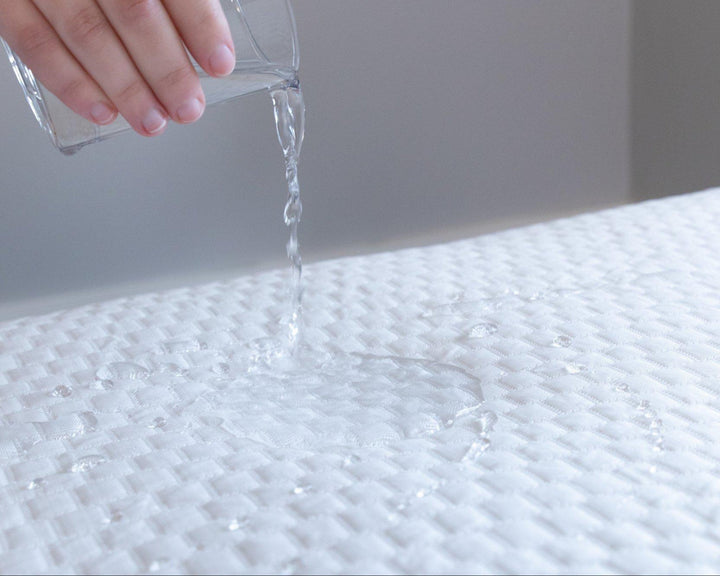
(104,57)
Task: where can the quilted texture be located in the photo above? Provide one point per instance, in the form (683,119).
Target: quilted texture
(539,400)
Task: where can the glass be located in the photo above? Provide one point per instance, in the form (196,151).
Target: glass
(266,58)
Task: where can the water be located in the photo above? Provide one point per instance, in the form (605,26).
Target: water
(483,330)
(281,397)
(484,424)
(481,314)
(283,394)
(309,400)
(562,342)
(289,108)
(121,371)
(86,463)
(61,391)
(235,524)
(345,400)
(35,484)
(273,391)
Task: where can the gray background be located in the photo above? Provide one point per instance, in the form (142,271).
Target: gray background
(428,120)
(676,96)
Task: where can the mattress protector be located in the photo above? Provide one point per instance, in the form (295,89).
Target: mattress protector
(538,400)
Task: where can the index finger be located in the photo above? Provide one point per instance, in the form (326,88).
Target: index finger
(204,30)
(150,37)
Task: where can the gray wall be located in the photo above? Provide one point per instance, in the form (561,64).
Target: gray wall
(675,96)
(427,120)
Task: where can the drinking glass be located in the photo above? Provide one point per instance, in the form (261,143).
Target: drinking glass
(266,54)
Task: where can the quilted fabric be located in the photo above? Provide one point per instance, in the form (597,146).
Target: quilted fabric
(539,400)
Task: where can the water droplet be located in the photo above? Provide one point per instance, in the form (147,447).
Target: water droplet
(87,463)
(643,406)
(61,391)
(36,483)
(89,422)
(158,422)
(476,449)
(263,351)
(104,384)
(301,489)
(562,342)
(487,421)
(575,368)
(483,330)
(184,346)
(115,516)
(223,368)
(121,371)
(171,368)
(622,387)
(352,459)
(650,414)
(156,565)
(236,524)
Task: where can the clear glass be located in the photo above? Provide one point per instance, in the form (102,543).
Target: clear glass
(266,58)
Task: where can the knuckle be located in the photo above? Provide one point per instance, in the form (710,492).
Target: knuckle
(207,19)
(134,12)
(131,90)
(72,90)
(35,39)
(177,77)
(88,25)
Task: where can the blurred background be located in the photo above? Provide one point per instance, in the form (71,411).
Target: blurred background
(427,121)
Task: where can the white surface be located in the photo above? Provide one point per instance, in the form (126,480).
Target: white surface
(596,345)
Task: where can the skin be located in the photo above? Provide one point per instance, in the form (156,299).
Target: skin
(108,57)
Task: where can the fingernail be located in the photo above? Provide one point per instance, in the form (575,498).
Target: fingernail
(222,61)
(154,122)
(102,113)
(190,111)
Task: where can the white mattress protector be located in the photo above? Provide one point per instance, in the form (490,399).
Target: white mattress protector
(539,400)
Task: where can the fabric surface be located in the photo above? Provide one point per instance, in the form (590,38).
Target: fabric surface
(544,399)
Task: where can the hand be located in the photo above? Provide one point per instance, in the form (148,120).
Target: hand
(104,57)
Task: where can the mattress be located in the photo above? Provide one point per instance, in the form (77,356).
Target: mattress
(545,399)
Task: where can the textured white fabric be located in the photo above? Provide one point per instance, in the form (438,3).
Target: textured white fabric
(586,352)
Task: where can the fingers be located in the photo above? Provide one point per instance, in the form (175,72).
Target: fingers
(86,31)
(148,33)
(40,48)
(102,57)
(205,31)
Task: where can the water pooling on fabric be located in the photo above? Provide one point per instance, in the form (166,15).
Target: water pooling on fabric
(280,392)
(479,318)
(275,391)
(309,400)
(569,469)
